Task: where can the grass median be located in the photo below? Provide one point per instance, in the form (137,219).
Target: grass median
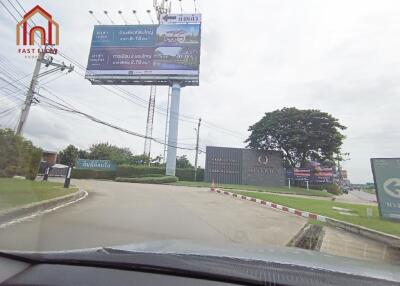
(325,207)
(18,192)
(281,190)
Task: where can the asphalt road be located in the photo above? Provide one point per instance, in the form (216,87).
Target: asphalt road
(357,197)
(124,213)
(364,196)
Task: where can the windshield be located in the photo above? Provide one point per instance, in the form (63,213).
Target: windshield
(253,125)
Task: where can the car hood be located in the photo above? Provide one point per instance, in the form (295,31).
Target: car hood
(281,255)
(291,257)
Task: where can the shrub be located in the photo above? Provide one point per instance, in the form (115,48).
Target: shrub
(18,156)
(148,176)
(148,180)
(145,171)
(188,174)
(135,171)
(9,172)
(33,164)
(93,174)
(331,188)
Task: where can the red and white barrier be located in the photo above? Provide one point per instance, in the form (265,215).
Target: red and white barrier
(271,205)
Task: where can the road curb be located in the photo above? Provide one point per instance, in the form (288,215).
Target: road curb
(388,239)
(24,212)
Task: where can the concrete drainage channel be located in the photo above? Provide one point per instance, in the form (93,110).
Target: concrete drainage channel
(332,236)
(309,237)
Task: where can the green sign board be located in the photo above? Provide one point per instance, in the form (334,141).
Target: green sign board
(102,165)
(386,173)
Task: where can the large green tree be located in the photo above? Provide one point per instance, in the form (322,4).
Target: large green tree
(301,135)
(106,151)
(18,156)
(69,155)
(183,162)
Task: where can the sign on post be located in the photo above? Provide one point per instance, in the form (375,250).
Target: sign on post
(101,165)
(180,18)
(386,172)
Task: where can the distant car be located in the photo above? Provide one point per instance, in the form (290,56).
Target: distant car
(345,190)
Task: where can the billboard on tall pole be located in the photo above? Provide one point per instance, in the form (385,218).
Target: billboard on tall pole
(162,54)
(145,54)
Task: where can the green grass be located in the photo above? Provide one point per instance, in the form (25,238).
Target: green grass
(16,192)
(281,190)
(324,207)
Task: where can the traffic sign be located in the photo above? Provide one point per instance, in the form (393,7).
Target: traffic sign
(386,173)
(180,18)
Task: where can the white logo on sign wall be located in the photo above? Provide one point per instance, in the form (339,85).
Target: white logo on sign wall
(263,160)
(392,187)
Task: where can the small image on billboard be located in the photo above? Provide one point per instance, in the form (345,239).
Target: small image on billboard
(178,34)
(176,58)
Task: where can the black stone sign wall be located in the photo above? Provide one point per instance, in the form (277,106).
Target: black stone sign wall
(244,166)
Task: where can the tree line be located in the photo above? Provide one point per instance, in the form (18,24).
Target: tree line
(122,156)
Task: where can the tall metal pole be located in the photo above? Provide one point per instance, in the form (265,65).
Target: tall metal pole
(197,150)
(149,123)
(29,95)
(166,125)
(173,129)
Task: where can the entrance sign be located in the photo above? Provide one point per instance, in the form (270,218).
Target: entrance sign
(386,173)
(244,166)
(101,165)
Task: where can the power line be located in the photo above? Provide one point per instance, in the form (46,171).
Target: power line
(15,81)
(59,106)
(9,12)
(159,109)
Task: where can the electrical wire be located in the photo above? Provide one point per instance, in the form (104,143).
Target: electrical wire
(54,104)
(132,95)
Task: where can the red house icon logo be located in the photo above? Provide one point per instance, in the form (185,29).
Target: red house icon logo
(46,33)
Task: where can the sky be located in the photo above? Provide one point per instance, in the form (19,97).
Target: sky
(341,57)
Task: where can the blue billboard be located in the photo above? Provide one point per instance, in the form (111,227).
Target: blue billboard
(126,50)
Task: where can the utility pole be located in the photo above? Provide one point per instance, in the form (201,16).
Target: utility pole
(197,150)
(29,95)
(32,87)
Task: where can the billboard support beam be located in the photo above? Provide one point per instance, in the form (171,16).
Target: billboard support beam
(173,129)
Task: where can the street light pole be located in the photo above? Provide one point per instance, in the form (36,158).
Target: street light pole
(197,150)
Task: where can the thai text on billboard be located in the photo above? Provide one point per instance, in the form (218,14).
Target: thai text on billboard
(166,49)
(302,174)
(323,176)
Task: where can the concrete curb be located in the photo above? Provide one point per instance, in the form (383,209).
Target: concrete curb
(24,212)
(388,239)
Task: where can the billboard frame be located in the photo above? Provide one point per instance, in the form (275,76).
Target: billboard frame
(147,79)
(143,80)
